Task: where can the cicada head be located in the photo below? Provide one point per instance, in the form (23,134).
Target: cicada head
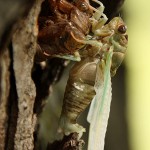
(84,6)
(119,41)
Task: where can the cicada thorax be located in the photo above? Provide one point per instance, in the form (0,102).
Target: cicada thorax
(63,8)
(119,41)
(60,7)
(59,38)
(113,35)
(79,93)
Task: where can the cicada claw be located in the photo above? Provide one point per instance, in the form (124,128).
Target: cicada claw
(67,127)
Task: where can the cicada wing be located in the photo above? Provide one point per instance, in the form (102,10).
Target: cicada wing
(99,84)
(100,108)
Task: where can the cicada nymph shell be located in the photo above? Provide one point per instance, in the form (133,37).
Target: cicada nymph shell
(62,32)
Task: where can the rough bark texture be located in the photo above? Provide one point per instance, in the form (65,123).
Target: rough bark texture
(4,93)
(23,56)
(17,103)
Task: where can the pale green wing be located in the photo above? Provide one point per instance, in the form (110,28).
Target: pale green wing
(100,107)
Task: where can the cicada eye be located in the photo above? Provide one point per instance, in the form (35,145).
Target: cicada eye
(122,29)
(82,5)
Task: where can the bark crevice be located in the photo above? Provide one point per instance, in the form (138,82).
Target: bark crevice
(12,110)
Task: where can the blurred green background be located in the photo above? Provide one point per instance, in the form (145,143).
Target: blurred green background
(129,123)
(138,73)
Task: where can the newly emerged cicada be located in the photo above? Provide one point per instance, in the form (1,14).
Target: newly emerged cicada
(90,79)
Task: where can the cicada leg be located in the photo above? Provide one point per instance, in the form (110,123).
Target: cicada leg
(99,11)
(42,55)
(117,59)
(91,42)
(99,18)
(75,57)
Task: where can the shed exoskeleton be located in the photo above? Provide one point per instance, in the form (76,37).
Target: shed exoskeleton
(65,32)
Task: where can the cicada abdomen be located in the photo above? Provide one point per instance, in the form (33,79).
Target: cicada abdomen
(79,93)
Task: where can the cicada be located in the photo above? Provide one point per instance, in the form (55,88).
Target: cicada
(90,79)
(101,53)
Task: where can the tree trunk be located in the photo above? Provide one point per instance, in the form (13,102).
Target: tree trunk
(17,89)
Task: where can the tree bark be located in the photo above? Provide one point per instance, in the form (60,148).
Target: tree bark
(23,58)
(17,90)
(4,94)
